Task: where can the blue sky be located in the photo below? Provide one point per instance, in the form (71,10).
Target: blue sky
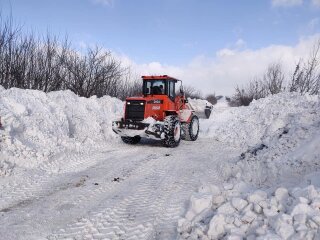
(172,33)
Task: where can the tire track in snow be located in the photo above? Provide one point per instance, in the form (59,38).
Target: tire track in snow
(22,189)
(145,204)
(151,209)
(133,214)
(78,196)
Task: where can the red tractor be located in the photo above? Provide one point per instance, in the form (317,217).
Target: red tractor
(158,114)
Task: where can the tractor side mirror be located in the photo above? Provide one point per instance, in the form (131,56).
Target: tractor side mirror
(181,89)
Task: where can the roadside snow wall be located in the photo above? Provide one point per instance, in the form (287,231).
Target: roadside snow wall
(239,212)
(247,126)
(272,189)
(279,137)
(38,125)
(198,104)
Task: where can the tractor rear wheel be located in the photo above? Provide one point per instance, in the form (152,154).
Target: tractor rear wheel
(131,140)
(191,129)
(172,131)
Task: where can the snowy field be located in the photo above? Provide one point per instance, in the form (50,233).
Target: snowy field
(254,172)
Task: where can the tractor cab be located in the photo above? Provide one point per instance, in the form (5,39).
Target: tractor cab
(159,85)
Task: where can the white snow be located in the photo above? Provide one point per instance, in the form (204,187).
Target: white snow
(39,125)
(280,138)
(198,105)
(244,214)
(65,175)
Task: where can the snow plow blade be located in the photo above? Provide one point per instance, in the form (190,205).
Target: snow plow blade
(205,113)
(127,128)
(133,129)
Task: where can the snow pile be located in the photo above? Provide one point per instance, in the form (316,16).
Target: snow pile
(228,213)
(279,137)
(247,126)
(287,156)
(198,105)
(38,125)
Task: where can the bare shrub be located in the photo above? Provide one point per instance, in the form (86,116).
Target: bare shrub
(211,98)
(132,86)
(306,77)
(272,82)
(244,96)
(192,92)
(96,73)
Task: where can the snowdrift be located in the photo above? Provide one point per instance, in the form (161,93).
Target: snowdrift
(279,137)
(238,211)
(272,190)
(38,125)
(247,126)
(198,105)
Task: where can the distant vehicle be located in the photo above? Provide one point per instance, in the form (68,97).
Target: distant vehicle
(158,114)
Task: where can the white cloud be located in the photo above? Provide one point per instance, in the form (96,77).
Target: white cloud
(286,3)
(229,67)
(225,52)
(104,2)
(316,3)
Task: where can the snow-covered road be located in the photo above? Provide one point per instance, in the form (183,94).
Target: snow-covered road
(65,175)
(120,192)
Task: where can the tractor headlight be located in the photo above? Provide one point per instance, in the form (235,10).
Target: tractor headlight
(141,103)
(128,103)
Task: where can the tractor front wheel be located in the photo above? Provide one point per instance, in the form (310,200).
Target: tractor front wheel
(172,131)
(131,140)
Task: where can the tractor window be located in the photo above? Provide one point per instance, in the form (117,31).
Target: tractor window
(154,87)
(172,94)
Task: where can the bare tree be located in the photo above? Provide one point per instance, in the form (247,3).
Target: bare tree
(255,89)
(211,98)
(192,92)
(272,83)
(273,79)
(49,64)
(306,77)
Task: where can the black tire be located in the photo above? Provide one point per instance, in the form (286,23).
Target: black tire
(172,131)
(207,112)
(191,130)
(131,140)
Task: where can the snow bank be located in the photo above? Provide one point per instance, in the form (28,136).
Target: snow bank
(237,212)
(247,126)
(198,104)
(38,125)
(279,137)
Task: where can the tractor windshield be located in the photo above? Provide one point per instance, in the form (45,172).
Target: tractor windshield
(154,87)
